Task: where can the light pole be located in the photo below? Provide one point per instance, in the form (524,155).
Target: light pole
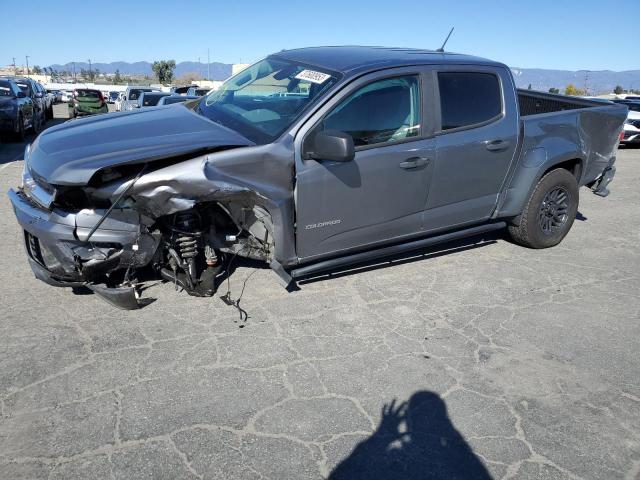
(27,58)
(90,77)
(208,63)
(14,66)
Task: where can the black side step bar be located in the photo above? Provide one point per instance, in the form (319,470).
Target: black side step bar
(362,257)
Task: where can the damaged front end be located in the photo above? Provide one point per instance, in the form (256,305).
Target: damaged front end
(180,219)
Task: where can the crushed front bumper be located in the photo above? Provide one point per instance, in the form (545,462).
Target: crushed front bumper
(59,256)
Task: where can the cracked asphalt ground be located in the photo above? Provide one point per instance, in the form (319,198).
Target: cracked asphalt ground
(514,363)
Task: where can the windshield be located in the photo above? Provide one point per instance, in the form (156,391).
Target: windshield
(262,101)
(5,89)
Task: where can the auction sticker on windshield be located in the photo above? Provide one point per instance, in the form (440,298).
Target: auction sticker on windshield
(313,76)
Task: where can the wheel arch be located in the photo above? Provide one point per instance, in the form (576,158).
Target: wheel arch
(534,165)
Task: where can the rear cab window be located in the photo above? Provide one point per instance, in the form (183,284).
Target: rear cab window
(468,99)
(135,93)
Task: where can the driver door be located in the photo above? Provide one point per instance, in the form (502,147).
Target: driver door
(381,194)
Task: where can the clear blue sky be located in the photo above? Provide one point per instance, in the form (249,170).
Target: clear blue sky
(587,34)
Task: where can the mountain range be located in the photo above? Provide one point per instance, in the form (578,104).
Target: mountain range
(596,81)
(601,81)
(217,70)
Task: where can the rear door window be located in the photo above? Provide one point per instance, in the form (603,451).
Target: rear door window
(381,112)
(468,98)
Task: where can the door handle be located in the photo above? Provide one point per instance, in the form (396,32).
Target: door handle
(496,145)
(414,162)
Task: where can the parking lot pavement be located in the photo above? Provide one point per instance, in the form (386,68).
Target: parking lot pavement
(513,363)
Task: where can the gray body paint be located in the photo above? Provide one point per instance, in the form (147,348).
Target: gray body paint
(306,210)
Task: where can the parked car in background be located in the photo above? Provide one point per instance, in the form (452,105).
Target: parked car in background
(57,95)
(198,92)
(113,96)
(631,129)
(87,101)
(171,99)
(49,100)
(130,99)
(151,99)
(388,151)
(632,105)
(52,100)
(35,91)
(16,111)
(182,90)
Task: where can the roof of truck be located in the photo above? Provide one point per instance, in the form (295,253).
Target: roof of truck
(350,59)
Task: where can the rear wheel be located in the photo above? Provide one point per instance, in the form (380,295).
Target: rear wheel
(549,212)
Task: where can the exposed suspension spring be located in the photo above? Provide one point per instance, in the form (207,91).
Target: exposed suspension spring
(188,246)
(186,227)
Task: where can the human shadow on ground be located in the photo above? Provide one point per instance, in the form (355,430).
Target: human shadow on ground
(415,440)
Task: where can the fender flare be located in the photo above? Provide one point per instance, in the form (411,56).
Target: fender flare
(535,163)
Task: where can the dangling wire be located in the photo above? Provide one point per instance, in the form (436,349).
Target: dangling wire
(226,298)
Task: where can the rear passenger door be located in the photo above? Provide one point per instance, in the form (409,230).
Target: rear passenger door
(476,137)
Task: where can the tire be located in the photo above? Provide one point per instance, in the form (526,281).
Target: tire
(37,124)
(550,211)
(19,135)
(50,112)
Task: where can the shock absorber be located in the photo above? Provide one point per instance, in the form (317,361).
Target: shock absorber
(188,247)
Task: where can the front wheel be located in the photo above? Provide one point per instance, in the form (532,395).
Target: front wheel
(36,123)
(550,211)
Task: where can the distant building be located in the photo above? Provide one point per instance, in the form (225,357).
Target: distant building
(238,67)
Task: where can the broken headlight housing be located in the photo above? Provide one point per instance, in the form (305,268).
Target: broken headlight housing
(37,190)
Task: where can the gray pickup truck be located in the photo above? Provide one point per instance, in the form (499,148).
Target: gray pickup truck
(310,160)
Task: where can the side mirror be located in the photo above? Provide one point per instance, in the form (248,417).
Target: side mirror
(332,145)
(21,94)
(38,95)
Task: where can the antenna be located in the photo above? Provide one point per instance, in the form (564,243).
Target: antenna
(441,49)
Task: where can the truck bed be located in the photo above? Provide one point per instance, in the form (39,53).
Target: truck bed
(535,103)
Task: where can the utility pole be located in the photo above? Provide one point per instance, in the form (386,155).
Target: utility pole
(27,58)
(586,79)
(14,66)
(90,77)
(74,72)
(199,67)
(208,63)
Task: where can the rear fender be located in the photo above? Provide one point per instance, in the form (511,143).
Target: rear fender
(534,164)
